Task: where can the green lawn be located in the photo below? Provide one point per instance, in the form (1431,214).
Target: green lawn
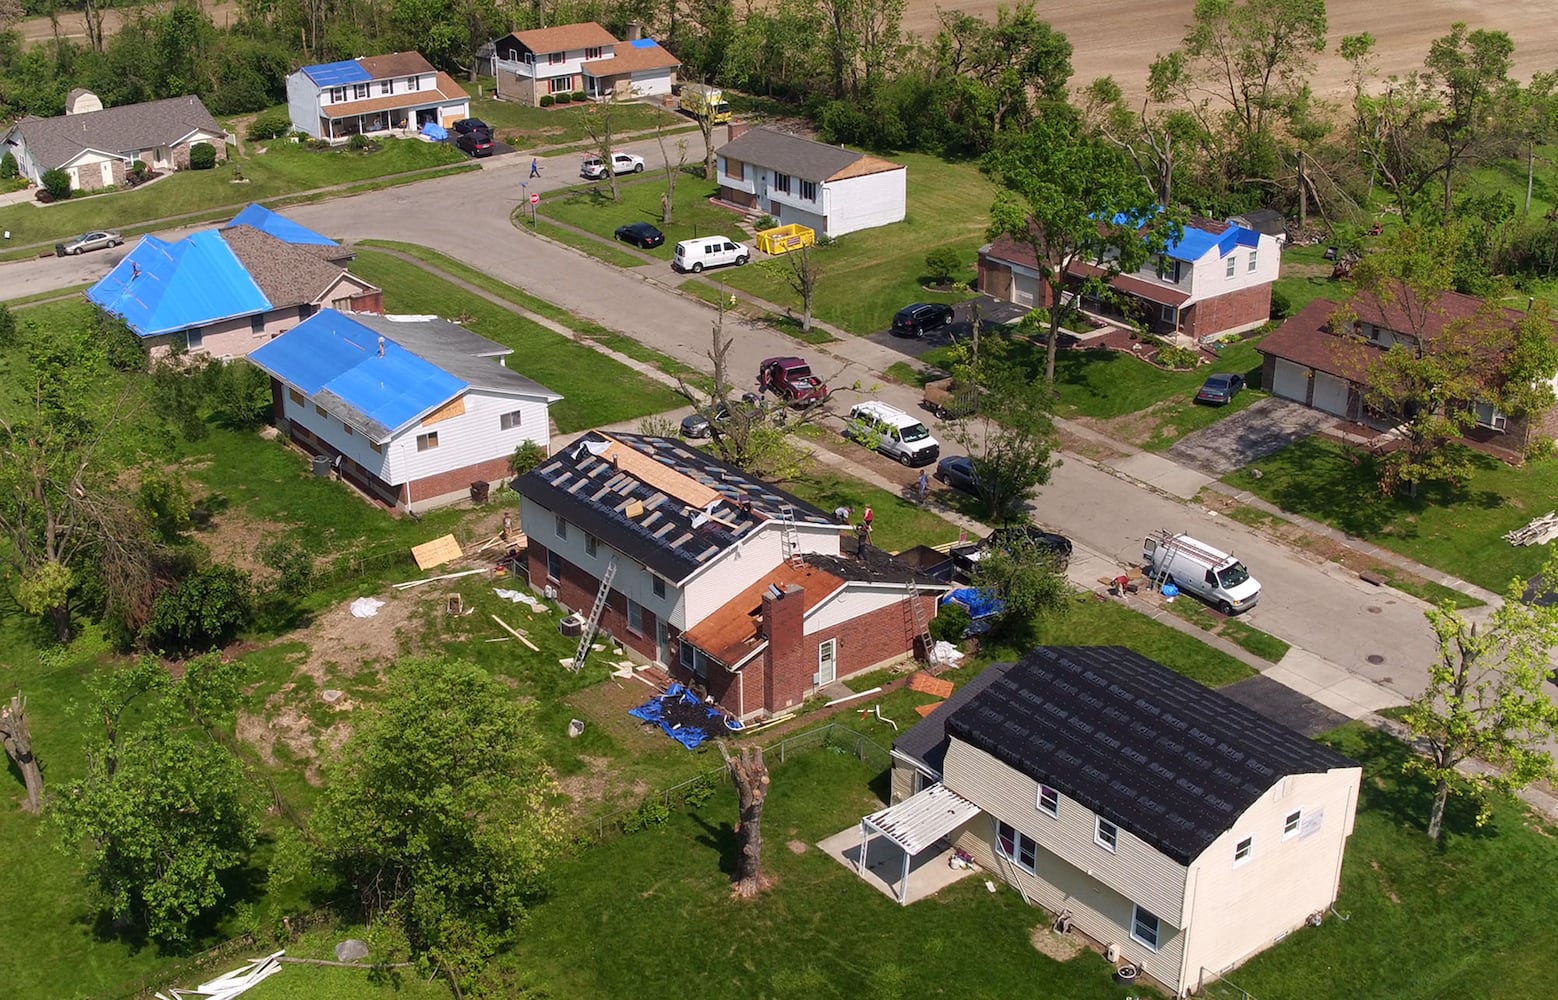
(897,523)
(283,169)
(528,128)
(1087,621)
(596,390)
(590,208)
(1457,531)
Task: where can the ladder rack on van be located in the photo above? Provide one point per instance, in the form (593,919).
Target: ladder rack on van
(1178,542)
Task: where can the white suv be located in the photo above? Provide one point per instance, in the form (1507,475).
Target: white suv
(621,163)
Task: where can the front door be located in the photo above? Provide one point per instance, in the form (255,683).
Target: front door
(662,643)
(827,662)
(108,173)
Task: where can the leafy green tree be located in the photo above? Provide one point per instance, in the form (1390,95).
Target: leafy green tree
(8,170)
(206,609)
(1254,55)
(1486,703)
(1012,63)
(1073,199)
(1030,582)
(1471,69)
(7,326)
(161,812)
(438,815)
(1009,435)
(942,263)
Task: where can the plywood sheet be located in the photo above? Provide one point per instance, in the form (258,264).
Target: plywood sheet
(925,710)
(930,685)
(454,408)
(667,480)
(436,553)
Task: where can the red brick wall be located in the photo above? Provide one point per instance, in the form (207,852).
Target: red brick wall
(863,643)
(369,302)
(787,673)
(419,490)
(576,589)
(180,154)
(1240,309)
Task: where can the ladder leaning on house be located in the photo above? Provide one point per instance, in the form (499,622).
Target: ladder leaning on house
(593,622)
(790,539)
(918,622)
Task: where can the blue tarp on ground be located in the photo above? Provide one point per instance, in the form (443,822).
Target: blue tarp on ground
(435,131)
(162,287)
(331,355)
(281,227)
(978,603)
(684,717)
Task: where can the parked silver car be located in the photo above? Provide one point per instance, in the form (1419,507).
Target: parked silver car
(100,239)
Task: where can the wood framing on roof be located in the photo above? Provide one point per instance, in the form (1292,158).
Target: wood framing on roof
(651,473)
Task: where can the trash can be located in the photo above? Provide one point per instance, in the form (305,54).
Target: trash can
(322,465)
(479,491)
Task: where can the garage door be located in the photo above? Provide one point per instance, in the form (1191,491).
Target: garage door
(1330,394)
(1291,382)
(1025,290)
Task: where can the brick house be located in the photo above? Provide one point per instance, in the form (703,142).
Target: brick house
(1309,360)
(412,411)
(580,58)
(1161,819)
(97,146)
(373,95)
(1215,281)
(735,587)
(224,292)
(800,181)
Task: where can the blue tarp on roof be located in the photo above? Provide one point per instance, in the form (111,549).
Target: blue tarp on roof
(337,73)
(163,287)
(1194,243)
(331,355)
(280,226)
(643,43)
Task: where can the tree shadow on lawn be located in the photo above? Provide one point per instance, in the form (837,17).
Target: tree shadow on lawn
(720,838)
(1405,799)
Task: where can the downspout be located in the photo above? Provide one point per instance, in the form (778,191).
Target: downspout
(741,694)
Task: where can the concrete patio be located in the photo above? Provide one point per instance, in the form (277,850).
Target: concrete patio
(929,872)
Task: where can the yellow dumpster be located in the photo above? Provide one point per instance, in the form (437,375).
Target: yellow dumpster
(783,239)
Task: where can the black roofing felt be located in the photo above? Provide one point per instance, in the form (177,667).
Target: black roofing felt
(876,567)
(589,492)
(1169,760)
(926,740)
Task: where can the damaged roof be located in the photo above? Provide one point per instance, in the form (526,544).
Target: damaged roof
(733,633)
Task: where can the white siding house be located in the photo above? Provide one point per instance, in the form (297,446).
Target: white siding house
(580,58)
(397,93)
(799,181)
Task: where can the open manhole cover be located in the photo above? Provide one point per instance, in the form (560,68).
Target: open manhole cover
(1373,610)
(1375,659)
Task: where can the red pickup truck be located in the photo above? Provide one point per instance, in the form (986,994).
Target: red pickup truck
(791,380)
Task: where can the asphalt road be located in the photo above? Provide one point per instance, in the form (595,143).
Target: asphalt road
(1348,629)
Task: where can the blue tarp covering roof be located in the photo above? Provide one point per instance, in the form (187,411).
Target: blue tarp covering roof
(643,43)
(979,603)
(335,359)
(280,226)
(683,717)
(337,73)
(1194,243)
(163,287)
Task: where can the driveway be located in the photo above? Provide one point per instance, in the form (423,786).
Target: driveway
(991,311)
(1253,433)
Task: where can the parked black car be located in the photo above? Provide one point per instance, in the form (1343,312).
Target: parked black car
(641,234)
(915,320)
(1220,389)
(966,557)
(475,143)
(466,125)
(957,471)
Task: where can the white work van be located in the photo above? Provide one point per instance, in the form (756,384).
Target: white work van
(1196,568)
(892,432)
(708,251)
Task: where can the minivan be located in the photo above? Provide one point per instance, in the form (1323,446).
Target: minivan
(1196,568)
(708,251)
(892,432)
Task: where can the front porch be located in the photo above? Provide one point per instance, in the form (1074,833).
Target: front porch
(397,122)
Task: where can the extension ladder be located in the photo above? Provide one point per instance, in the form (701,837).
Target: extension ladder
(593,622)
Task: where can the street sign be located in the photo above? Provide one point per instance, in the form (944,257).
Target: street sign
(535,199)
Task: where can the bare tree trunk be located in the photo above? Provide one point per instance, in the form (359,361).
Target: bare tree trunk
(1303,193)
(706,126)
(1436,815)
(16,737)
(751,777)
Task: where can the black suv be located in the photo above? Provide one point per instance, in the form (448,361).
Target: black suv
(913,321)
(477,142)
(465,125)
(1057,547)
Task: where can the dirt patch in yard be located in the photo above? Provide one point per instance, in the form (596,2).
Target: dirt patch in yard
(599,784)
(1136,429)
(349,644)
(1060,947)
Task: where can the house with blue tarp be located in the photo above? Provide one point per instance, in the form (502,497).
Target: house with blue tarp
(411,411)
(1214,281)
(375,95)
(223,292)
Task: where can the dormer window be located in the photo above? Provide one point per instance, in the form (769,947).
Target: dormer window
(1168,269)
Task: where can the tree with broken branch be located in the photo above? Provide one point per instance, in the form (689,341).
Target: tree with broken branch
(800,270)
(599,122)
(1485,703)
(16,737)
(750,775)
(672,172)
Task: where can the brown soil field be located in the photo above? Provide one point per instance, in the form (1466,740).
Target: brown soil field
(73,26)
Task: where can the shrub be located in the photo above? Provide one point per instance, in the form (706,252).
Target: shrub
(1281,305)
(57,183)
(562,98)
(202,156)
(942,263)
(139,169)
(270,125)
(43,197)
(651,814)
(8,169)
(526,457)
(950,623)
(7,326)
(765,222)
(207,609)
(357,143)
(547,100)
(1178,358)
(579,97)
(292,563)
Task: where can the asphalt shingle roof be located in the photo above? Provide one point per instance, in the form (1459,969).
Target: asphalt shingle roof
(789,154)
(926,740)
(1167,759)
(288,275)
(126,129)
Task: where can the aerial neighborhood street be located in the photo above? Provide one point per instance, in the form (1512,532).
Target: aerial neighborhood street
(806,502)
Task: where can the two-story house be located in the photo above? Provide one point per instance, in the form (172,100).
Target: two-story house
(1309,360)
(803,182)
(413,412)
(1214,281)
(580,58)
(1178,829)
(733,586)
(223,292)
(399,92)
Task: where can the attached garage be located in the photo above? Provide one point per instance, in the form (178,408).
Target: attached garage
(1025,289)
(1292,382)
(1331,393)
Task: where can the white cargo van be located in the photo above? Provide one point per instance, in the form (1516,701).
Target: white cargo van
(708,251)
(892,432)
(1196,568)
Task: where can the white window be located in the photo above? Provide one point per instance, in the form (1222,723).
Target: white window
(428,441)
(1243,851)
(560,525)
(556,58)
(359,91)
(1168,269)
(558,84)
(1253,262)
(554,566)
(337,95)
(694,660)
(413,83)
(589,544)
(635,617)
(809,190)
(1049,800)
(1489,416)
(386,87)
(509,421)
(193,339)
(1169,314)
(1232,266)
(1145,927)
(658,586)
(1291,824)
(1106,835)
(1016,847)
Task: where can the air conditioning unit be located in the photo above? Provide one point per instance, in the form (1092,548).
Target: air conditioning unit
(1112,953)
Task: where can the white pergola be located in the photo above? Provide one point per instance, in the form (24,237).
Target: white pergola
(913,825)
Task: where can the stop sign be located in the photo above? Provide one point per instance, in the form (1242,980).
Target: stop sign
(535,199)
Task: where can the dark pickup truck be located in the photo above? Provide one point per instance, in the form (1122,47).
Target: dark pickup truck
(791,380)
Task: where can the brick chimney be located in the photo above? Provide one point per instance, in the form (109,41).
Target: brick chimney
(787,672)
(737,129)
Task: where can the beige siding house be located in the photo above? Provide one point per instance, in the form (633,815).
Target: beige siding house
(97,146)
(1177,829)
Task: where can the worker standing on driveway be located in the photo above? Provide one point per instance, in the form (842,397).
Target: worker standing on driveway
(921,486)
